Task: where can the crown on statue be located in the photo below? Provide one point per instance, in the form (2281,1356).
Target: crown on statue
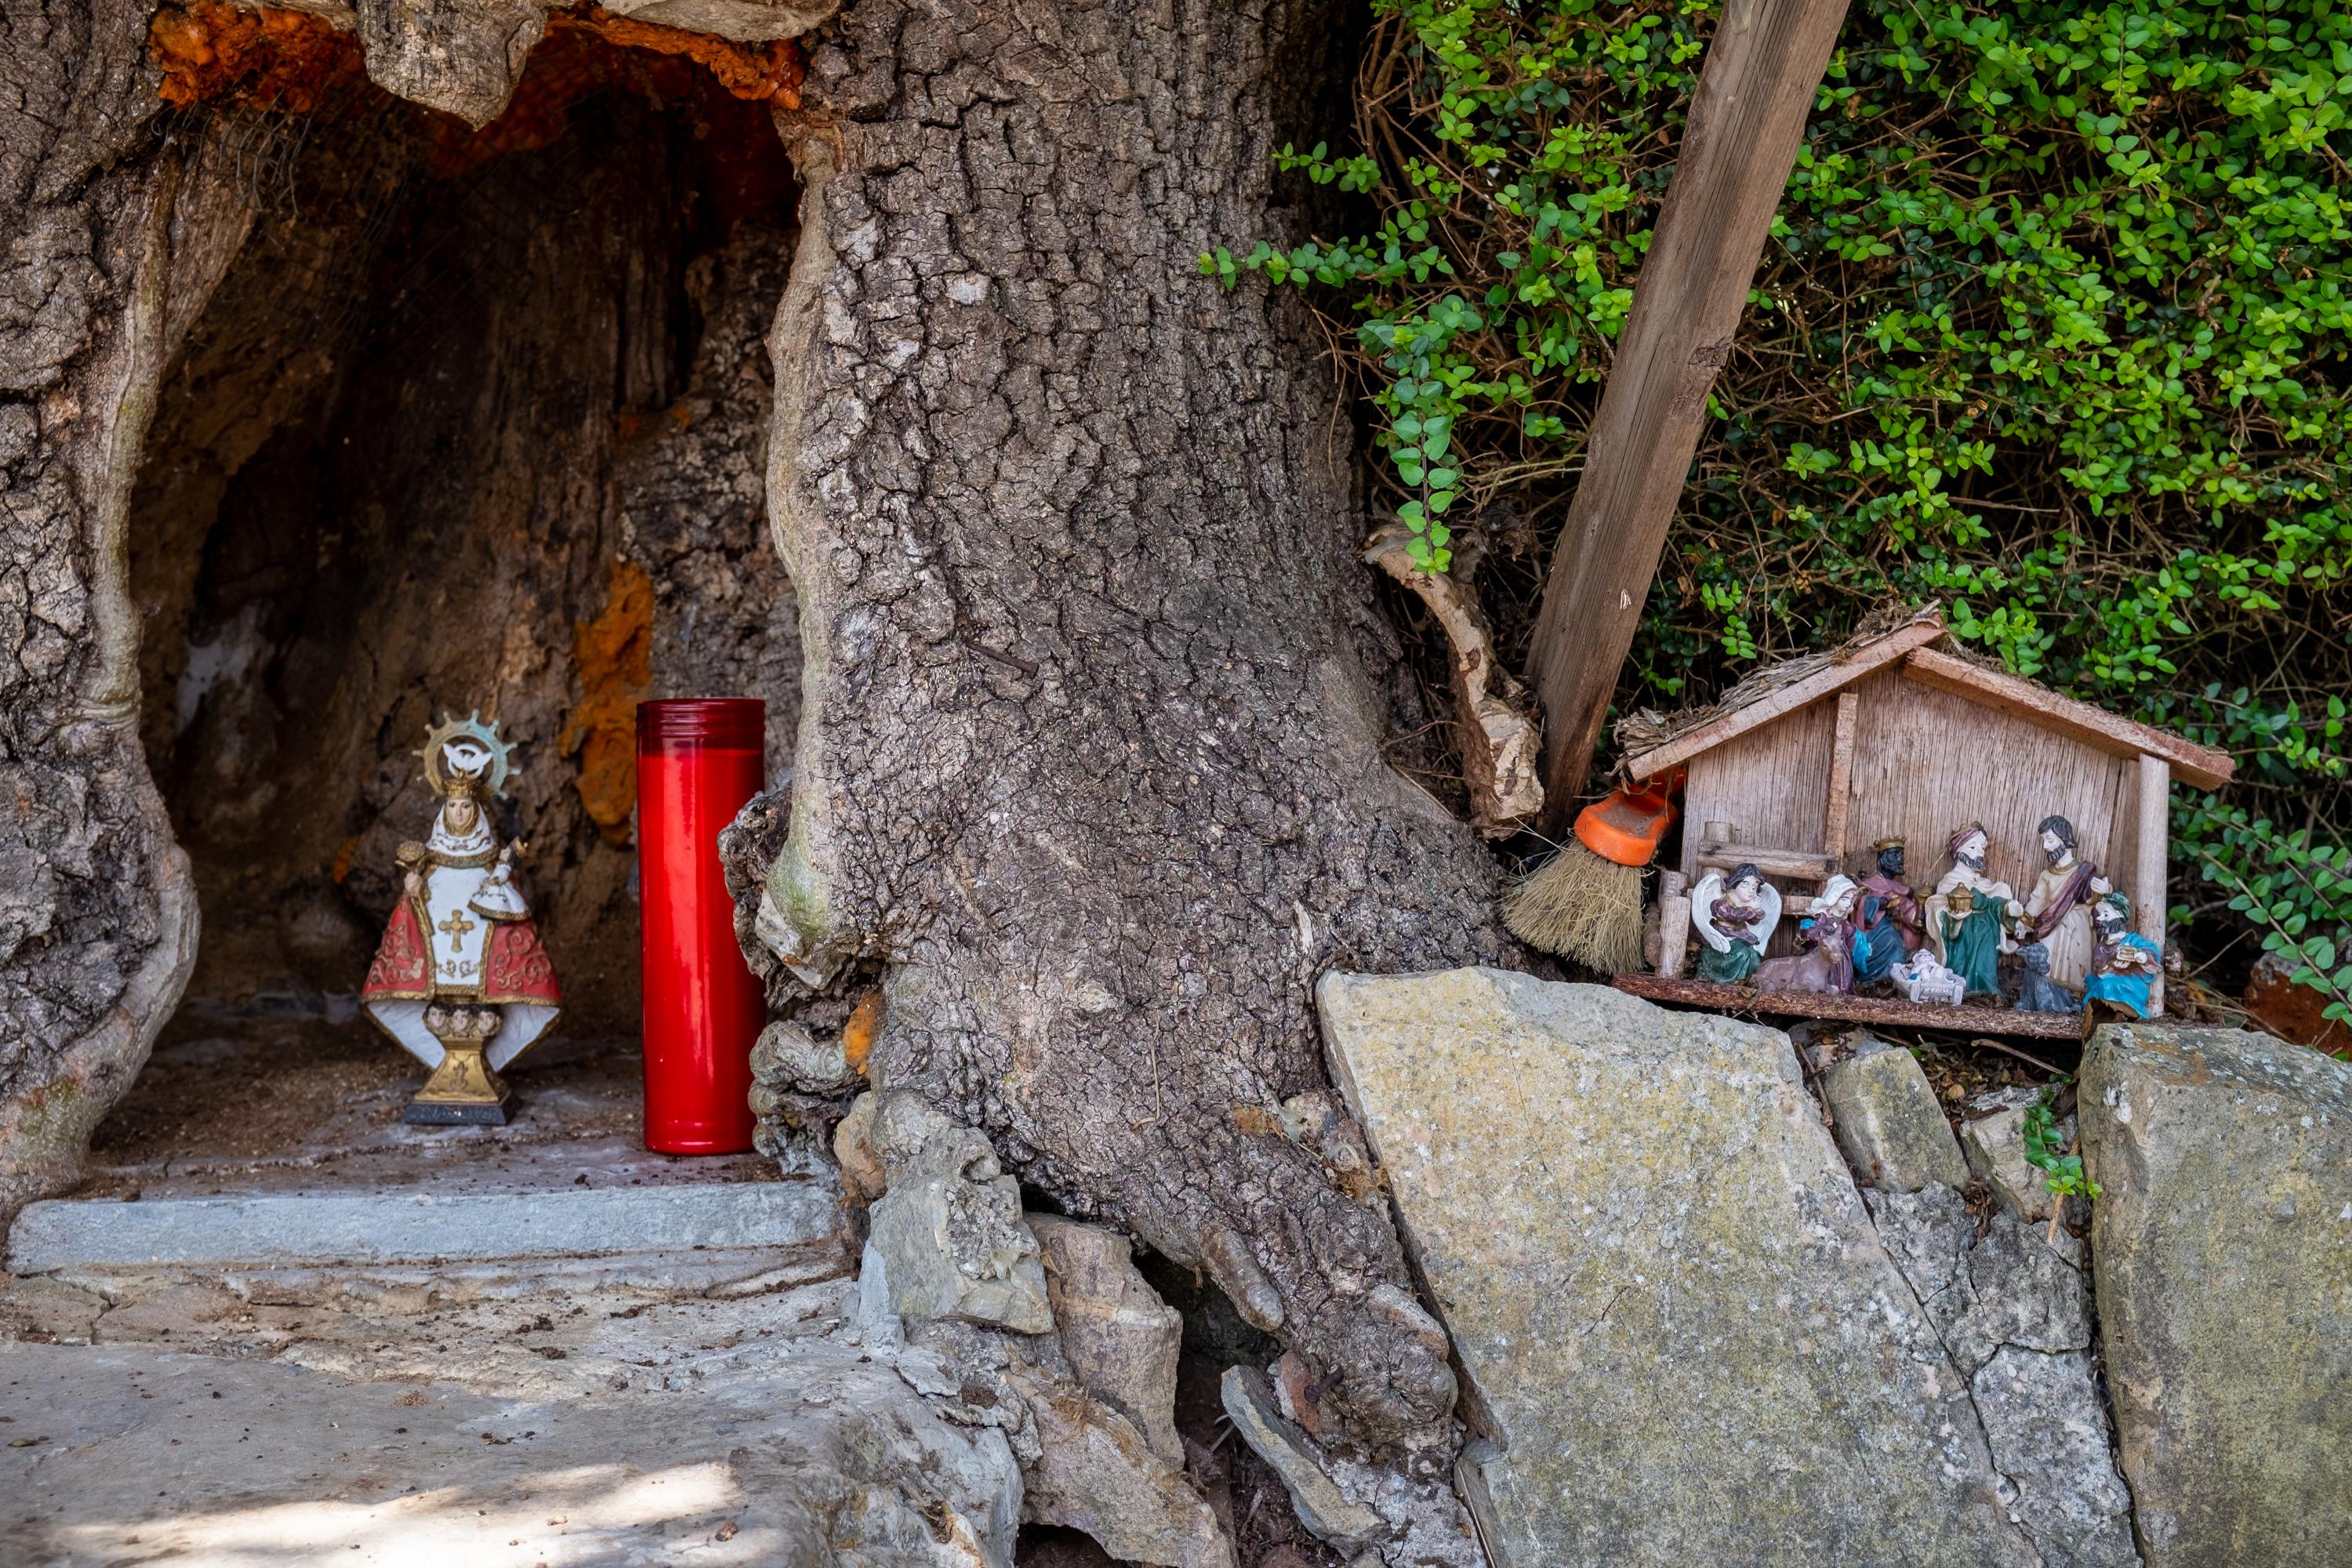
(464,757)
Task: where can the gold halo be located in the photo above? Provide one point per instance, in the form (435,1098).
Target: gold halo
(495,773)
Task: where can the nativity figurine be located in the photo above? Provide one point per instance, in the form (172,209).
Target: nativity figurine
(1826,967)
(1965,914)
(2036,992)
(2124,963)
(460,979)
(1734,921)
(1886,929)
(2058,907)
(1921,978)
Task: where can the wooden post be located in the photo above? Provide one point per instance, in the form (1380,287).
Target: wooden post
(1674,922)
(1747,121)
(1841,781)
(2147,893)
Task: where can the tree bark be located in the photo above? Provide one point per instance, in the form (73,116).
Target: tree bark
(1089,757)
(110,247)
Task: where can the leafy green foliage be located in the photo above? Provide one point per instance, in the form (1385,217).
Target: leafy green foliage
(2054,326)
(2062,1172)
(2297,893)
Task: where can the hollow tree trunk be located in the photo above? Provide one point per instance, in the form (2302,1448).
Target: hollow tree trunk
(1088,753)
(109,246)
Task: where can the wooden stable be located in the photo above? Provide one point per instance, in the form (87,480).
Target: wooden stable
(1900,736)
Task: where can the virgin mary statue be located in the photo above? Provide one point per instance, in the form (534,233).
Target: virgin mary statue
(460,978)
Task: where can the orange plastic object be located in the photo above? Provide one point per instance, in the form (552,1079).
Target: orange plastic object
(1625,825)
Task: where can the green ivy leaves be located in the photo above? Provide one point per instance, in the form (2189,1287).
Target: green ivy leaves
(2295,891)
(2062,1172)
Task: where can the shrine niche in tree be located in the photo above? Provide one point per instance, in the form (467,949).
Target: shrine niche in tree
(472,419)
(1899,786)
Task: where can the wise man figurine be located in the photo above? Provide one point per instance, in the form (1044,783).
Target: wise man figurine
(2125,964)
(1966,910)
(460,978)
(2058,907)
(1886,927)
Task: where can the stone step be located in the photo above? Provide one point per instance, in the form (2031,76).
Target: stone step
(407,1227)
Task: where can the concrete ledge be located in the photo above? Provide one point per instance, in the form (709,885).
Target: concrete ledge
(416,1227)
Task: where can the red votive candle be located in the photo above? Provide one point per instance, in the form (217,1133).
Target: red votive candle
(699,760)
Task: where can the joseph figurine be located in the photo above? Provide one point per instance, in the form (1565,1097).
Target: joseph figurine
(2058,909)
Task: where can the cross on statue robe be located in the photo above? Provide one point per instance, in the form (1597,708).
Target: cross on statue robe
(457,925)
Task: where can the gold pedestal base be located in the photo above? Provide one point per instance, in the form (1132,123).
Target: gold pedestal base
(463,1091)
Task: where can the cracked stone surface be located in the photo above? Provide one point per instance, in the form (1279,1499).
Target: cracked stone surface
(2014,1312)
(948,1234)
(1685,1339)
(2222,1245)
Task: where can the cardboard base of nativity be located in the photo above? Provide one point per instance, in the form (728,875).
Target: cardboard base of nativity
(1807,768)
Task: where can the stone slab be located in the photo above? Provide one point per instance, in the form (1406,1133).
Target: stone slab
(395,1226)
(2012,1307)
(2221,1252)
(1889,1123)
(1681,1336)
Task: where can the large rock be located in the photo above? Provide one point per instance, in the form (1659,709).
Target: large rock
(1095,1473)
(2009,1301)
(2222,1246)
(464,57)
(2012,1309)
(1684,1340)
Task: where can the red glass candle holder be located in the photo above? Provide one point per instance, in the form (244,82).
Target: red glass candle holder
(699,760)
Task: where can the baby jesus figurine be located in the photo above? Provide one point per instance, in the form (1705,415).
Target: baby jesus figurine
(460,979)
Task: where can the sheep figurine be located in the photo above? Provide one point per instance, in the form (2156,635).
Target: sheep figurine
(1923,979)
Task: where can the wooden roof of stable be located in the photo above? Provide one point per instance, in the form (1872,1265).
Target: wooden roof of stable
(1912,647)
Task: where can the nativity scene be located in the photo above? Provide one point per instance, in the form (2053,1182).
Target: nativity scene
(2047,818)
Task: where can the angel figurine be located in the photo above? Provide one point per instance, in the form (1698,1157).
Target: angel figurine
(1734,921)
(460,979)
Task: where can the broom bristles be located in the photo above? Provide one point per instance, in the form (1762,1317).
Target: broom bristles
(1581,907)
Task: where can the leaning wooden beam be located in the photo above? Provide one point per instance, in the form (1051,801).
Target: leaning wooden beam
(1854,1009)
(1746,123)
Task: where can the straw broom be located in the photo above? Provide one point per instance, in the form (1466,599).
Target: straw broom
(1584,903)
